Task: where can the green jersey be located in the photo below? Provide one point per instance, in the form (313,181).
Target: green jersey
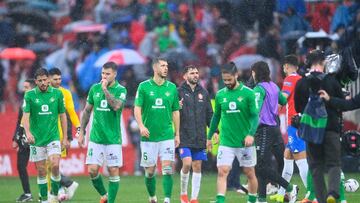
(157,103)
(44,109)
(238,112)
(106,122)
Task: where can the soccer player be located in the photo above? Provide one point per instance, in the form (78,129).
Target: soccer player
(268,96)
(195,115)
(106,99)
(295,149)
(23,149)
(236,107)
(156,109)
(42,107)
(55,81)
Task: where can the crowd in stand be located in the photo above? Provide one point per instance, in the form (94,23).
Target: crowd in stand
(205,33)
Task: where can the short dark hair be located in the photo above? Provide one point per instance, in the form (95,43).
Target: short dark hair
(262,71)
(157,60)
(229,68)
(31,81)
(291,59)
(111,65)
(54,71)
(41,72)
(187,68)
(315,57)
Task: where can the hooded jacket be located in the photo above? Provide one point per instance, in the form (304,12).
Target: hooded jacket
(195,116)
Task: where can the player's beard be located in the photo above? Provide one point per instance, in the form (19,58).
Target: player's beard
(231,86)
(193,81)
(43,87)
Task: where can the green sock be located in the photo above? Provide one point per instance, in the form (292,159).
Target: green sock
(167,185)
(55,185)
(252,198)
(220,198)
(114,183)
(150,183)
(99,185)
(310,186)
(289,188)
(262,199)
(43,188)
(342,188)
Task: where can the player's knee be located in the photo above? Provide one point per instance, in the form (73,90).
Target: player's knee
(149,174)
(185,168)
(167,170)
(93,172)
(223,172)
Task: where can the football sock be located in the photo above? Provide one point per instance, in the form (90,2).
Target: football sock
(303,170)
(114,182)
(310,186)
(184,180)
(43,189)
(287,173)
(252,198)
(167,185)
(150,183)
(220,198)
(342,187)
(195,185)
(55,185)
(99,185)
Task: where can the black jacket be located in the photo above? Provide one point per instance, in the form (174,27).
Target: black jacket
(345,105)
(195,115)
(331,86)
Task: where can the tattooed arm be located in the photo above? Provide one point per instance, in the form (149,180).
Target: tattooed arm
(84,122)
(112,101)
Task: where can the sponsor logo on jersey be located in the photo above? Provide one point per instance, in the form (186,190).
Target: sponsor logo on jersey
(158,104)
(232,108)
(122,96)
(201,97)
(103,106)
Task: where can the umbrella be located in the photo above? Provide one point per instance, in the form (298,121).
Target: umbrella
(30,16)
(17,53)
(121,57)
(179,56)
(43,5)
(84,26)
(311,39)
(41,47)
(244,62)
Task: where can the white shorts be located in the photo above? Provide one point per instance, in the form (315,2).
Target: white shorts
(246,156)
(150,151)
(42,153)
(98,153)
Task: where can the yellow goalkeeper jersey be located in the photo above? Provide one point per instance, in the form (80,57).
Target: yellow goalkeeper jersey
(70,110)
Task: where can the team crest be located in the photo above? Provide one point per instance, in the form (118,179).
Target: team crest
(167,94)
(200,96)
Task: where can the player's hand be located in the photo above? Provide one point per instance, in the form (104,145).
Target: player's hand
(324,95)
(144,131)
(104,84)
(65,143)
(177,141)
(30,138)
(249,141)
(81,138)
(209,145)
(181,103)
(15,145)
(216,138)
